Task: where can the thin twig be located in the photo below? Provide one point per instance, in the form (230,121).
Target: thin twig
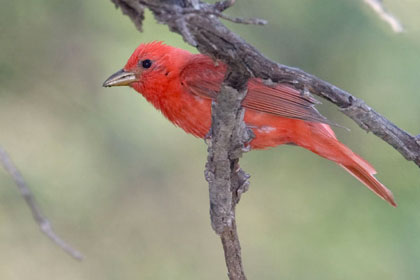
(39,218)
(378,7)
(217,9)
(254,21)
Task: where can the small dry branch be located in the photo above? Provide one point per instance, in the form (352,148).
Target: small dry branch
(39,218)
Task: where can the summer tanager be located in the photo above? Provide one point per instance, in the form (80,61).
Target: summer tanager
(182,86)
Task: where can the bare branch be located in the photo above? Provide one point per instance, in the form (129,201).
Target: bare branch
(226,180)
(217,10)
(255,21)
(136,12)
(378,7)
(39,218)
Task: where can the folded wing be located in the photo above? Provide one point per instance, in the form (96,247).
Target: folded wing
(203,78)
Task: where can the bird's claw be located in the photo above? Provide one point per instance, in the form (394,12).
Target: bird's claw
(246,148)
(243,183)
(207,137)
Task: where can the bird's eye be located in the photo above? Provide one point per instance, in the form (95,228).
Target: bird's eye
(146,63)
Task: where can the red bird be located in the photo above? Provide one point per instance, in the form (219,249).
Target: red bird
(182,86)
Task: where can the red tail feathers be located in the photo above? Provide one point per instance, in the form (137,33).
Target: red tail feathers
(366,177)
(327,146)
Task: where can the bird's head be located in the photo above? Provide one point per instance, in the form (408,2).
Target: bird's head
(150,63)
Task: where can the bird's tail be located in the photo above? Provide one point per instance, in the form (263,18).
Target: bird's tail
(324,143)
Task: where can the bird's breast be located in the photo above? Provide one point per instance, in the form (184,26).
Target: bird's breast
(189,112)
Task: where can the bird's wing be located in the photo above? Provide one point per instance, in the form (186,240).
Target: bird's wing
(282,100)
(203,78)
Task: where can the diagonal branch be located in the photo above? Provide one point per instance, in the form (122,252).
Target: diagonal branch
(39,218)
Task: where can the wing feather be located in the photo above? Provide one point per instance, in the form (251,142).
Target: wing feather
(203,77)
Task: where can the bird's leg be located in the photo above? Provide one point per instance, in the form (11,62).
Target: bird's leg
(250,133)
(246,148)
(207,137)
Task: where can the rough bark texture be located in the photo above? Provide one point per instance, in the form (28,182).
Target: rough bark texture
(200,26)
(227,181)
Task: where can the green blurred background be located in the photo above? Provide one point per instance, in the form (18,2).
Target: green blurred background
(123,185)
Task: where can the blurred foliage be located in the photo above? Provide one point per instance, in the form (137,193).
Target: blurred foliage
(126,187)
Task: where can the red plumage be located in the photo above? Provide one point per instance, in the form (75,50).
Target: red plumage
(182,85)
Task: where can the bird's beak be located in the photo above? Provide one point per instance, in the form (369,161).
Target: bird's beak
(120,78)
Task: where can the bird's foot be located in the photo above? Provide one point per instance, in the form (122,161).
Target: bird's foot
(207,138)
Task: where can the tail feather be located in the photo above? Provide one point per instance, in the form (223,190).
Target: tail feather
(323,142)
(371,182)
